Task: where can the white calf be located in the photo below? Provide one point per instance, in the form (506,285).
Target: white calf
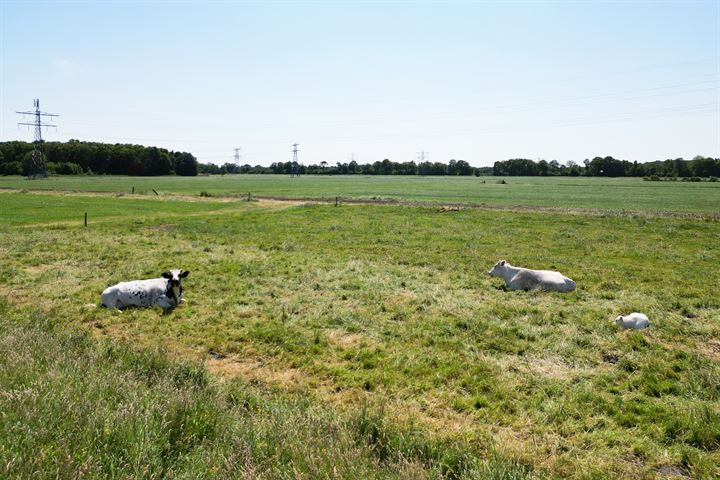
(165,292)
(635,321)
(517,278)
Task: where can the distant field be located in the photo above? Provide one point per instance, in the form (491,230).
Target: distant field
(391,305)
(564,192)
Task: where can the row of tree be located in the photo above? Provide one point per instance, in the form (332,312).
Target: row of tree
(610,167)
(76,157)
(385,167)
(597,167)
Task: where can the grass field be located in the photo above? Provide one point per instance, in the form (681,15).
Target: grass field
(387,306)
(564,192)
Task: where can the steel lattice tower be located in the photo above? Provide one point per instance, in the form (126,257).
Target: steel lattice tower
(37,167)
(295,151)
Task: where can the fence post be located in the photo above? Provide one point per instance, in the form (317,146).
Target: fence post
(336,201)
(86,219)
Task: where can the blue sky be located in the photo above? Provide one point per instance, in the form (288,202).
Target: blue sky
(479,81)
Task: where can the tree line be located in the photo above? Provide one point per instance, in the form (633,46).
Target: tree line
(610,167)
(75,157)
(597,167)
(384,167)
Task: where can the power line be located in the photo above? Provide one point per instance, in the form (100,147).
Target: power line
(38,168)
(509,108)
(563,102)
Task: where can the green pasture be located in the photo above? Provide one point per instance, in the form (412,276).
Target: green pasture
(632,194)
(391,306)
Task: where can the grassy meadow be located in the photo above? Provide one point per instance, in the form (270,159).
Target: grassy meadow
(561,192)
(360,340)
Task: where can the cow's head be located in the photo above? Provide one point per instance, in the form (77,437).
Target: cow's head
(619,320)
(498,269)
(174,286)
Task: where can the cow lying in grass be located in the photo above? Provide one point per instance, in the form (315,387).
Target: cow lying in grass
(165,292)
(517,278)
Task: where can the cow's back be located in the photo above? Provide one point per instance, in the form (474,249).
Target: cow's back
(138,293)
(543,279)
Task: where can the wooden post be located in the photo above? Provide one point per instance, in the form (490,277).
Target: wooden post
(248,197)
(86,219)
(133,190)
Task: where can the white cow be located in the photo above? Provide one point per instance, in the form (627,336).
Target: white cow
(165,292)
(517,278)
(635,320)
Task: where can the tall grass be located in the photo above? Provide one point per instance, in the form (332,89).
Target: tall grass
(72,407)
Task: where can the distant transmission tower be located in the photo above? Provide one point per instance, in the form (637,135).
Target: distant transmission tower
(237,156)
(294,170)
(37,166)
(421,156)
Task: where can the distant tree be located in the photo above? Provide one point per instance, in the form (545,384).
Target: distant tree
(572,168)
(555,168)
(463,168)
(704,167)
(185,164)
(543,168)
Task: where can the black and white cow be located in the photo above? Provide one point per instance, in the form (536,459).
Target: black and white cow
(165,292)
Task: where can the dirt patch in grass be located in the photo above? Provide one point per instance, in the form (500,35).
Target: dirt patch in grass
(549,367)
(710,348)
(161,227)
(36,270)
(271,203)
(672,471)
(257,370)
(263,202)
(345,340)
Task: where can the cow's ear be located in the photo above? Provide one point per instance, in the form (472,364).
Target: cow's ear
(184,273)
(167,275)
(502,262)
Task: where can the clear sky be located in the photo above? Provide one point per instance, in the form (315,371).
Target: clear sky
(478,81)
